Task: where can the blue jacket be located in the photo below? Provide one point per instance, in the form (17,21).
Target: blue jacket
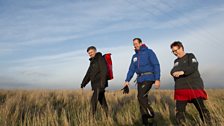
(144,60)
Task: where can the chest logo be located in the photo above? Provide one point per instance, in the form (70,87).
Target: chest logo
(176,64)
(134,59)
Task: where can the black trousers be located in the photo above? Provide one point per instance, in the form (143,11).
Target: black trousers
(200,106)
(145,108)
(99,95)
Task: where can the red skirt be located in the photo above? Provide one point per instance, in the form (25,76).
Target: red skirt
(189,94)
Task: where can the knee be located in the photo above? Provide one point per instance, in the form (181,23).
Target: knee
(140,98)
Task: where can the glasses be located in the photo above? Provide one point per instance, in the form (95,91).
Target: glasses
(175,51)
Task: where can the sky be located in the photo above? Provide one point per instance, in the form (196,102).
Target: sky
(43,43)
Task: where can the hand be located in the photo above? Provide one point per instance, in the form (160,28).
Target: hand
(125,89)
(157,84)
(126,83)
(82,85)
(178,73)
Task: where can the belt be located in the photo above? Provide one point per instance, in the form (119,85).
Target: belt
(141,74)
(146,73)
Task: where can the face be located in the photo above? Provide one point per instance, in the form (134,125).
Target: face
(137,44)
(178,51)
(92,53)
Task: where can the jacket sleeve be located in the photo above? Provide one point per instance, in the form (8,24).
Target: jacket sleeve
(131,71)
(192,65)
(103,70)
(155,62)
(175,68)
(86,79)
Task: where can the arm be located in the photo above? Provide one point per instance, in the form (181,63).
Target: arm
(131,71)
(86,79)
(156,66)
(175,68)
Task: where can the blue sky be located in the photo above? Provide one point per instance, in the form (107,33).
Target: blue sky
(43,43)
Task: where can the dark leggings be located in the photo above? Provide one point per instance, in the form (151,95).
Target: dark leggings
(199,104)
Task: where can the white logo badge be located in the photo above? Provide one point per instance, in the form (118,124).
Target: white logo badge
(194,60)
(135,59)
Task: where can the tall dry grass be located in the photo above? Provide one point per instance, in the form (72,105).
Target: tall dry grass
(72,108)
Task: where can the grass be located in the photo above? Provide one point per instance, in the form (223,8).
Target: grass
(72,108)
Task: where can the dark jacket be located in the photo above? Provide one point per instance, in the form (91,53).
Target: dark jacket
(143,61)
(97,72)
(189,85)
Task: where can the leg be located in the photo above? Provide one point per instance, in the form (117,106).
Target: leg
(103,102)
(94,101)
(180,112)
(203,111)
(145,108)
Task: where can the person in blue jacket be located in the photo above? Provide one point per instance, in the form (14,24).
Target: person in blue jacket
(146,65)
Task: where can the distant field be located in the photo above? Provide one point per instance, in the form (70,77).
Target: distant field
(72,108)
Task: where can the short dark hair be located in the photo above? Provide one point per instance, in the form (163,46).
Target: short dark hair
(139,40)
(178,44)
(91,47)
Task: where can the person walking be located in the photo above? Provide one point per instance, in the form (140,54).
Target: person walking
(97,74)
(146,65)
(189,87)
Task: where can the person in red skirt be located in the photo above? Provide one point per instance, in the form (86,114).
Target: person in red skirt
(189,87)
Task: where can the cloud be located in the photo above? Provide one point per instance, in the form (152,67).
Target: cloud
(67,68)
(186,19)
(44,22)
(31,30)
(70,67)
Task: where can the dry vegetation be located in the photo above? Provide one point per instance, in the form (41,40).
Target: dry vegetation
(72,108)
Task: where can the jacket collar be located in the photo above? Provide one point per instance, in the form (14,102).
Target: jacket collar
(142,48)
(98,54)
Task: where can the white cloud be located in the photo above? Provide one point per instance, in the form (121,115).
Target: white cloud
(61,22)
(57,23)
(186,19)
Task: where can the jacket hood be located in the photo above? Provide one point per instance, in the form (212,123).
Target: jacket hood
(142,48)
(98,54)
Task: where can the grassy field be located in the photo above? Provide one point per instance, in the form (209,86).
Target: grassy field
(72,108)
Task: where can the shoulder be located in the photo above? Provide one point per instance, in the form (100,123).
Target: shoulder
(190,55)
(98,54)
(134,55)
(176,60)
(150,51)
